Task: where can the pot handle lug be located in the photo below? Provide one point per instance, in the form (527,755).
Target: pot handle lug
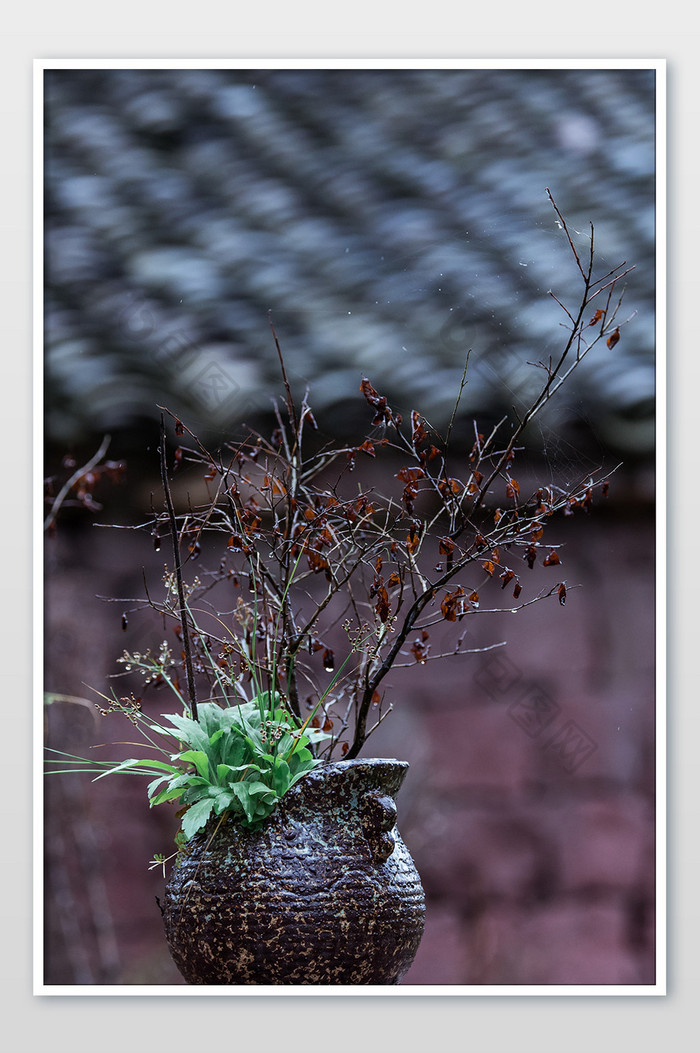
(378,815)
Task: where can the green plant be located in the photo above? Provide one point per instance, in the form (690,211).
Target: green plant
(239,760)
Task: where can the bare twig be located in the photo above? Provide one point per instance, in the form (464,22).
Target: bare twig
(75,478)
(314,548)
(290,401)
(191,690)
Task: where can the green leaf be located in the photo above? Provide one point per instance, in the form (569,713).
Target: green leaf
(225,771)
(233,750)
(225,803)
(241,792)
(301,760)
(263,757)
(190,730)
(175,788)
(281,777)
(170,794)
(200,760)
(151,788)
(133,763)
(251,796)
(255,788)
(196,789)
(196,817)
(208,714)
(214,717)
(316,735)
(301,774)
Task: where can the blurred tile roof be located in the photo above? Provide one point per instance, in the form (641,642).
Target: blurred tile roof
(389,220)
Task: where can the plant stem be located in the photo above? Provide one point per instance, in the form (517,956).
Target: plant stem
(182,609)
(290,401)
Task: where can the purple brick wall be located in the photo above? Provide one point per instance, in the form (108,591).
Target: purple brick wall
(528,807)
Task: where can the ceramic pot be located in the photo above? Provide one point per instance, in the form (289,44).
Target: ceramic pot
(325,892)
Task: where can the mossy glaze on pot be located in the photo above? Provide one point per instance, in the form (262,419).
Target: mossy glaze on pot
(324,892)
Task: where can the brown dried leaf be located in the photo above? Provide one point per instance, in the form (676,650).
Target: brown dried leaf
(449,487)
(418,432)
(328,660)
(410,475)
(383,607)
(476,448)
(452,606)
(409,495)
(383,413)
(419,649)
(413,540)
(530,555)
(318,563)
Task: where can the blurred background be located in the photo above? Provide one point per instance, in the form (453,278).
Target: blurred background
(387,221)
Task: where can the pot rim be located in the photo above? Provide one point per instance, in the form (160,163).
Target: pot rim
(384,772)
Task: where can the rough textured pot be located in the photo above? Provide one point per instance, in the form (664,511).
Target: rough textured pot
(325,892)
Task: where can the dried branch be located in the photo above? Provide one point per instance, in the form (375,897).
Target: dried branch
(182,610)
(305,548)
(74,480)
